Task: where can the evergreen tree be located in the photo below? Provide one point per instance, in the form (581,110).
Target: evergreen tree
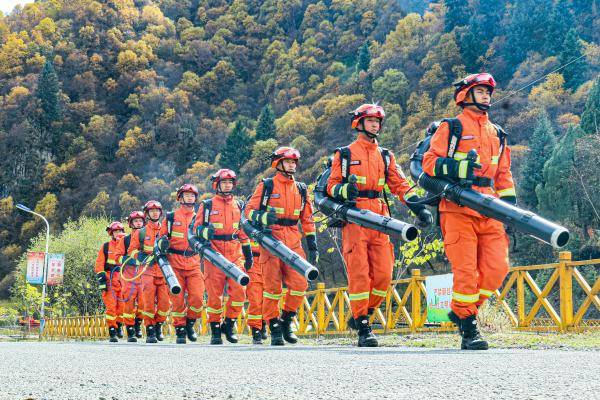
(265,129)
(48,88)
(574,73)
(364,57)
(541,145)
(238,148)
(590,118)
(458,13)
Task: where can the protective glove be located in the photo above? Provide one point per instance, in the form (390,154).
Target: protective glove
(248,257)
(146,259)
(205,232)
(509,199)
(425,218)
(347,191)
(265,218)
(455,169)
(163,244)
(313,250)
(101,278)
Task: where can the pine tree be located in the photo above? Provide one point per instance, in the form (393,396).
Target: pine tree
(541,145)
(574,73)
(48,88)
(265,129)
(364,57)
(590,118)
(238,148)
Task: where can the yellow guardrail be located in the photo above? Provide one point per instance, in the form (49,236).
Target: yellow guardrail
(325,311)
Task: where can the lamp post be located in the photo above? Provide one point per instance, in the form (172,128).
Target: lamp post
(45,272)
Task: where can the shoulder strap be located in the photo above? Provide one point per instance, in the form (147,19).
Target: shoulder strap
(502,137)
(142,237)
(455,134)
(303,193)
(239,203)
(344,162)
(127,241)
(266,193)
(387,159)
(207,209)
(170,218)
(105,251)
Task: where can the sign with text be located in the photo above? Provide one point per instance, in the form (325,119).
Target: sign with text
(439,296)
(56,269)
(35,267)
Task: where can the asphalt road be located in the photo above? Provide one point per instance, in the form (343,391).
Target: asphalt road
(88,370)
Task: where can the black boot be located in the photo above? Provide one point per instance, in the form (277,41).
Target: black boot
(112,333)
(276,335)
(256,336)
(138,328)
(215,330)
(120,330)
(471,337)
(365,336)
(263,331)
(352,322)
(229,330)
(131,334)
(189,328)
(180,331)
(158,331)
(456,320)
(151,334)
(286,327)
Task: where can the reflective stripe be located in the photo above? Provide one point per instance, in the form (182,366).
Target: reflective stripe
(459,155)
(194,309)
(310,234)
(278,210)
(163,313)
(111,261)
(178,314)
(361,179)
(465,298)
(445,169)
(217,225)
(296,293)
(237,303)
(507,192)
(495,160)
(253,316)
(381,182)
(359,296)
(236,225)
(251,214)
(128,316)
(296,212)
(214,310)
(486,293)
(147,314)
(177,234)
(380,293)
(462,169)
(272,296)
(148,248)
(110,317)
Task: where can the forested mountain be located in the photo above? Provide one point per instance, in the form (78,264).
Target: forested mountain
(105,104)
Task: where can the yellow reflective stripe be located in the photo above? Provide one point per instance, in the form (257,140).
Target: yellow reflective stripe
(359,296)
(361,179)
(253,316)
(236,225)
(381,182)
(148,248)
(251,214)
(444,169)
(147,314)
(177,234)
(278,210)
(217,225)
(310,234)
(128,316)
(237,303)
(163,313)
(465,298)
(178,314)
(111,261)
(507,192)
(194,309)
(462,169)
(296,293)
(272,296)
(297,212)
(110,317)
(486,293)
(214,310)
(459,155)
(495,160)
(380,293)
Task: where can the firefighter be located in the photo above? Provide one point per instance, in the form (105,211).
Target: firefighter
(130,280)
(218,221)
(359,173)
(107,273)
(279,204)
(187,305)
(476,246)
(155,303)
(254,293)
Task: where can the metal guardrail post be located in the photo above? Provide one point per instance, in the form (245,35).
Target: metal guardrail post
(566,290)
(415,310)
(320,307)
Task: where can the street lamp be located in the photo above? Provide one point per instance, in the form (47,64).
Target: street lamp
(29,210)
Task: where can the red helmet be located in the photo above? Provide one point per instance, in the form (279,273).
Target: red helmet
(134,215)
(115,226)
(463,86)
(152,205)
(188,187)
(367,110)
(284,153)
(222,174)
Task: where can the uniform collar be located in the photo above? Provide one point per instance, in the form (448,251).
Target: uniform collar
(225,199)
(280,178)
(480,117)
(153,224)
(186,210)
(366,143)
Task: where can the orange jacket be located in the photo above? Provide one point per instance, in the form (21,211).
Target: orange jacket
(225,217)
(105,264)
(178,239)
(479,134)
(366,162)
(286,201)
(147,247)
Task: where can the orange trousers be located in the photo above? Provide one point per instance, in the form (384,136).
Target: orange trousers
(112,300)
(477,248)
(188,303)
(369,257)
(130,294)
(254,292)
(155,303)
(215,281)
(275,272)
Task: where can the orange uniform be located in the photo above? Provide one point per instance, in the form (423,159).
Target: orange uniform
(286,201)
(186,265)
(154,305)
(107,262)
(130,287)
(229,238)
(476,246)
(369,254)
(254,290)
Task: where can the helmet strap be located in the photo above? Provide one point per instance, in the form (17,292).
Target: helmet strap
(288,174)
(480,106)
(222,193)
(361,129)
